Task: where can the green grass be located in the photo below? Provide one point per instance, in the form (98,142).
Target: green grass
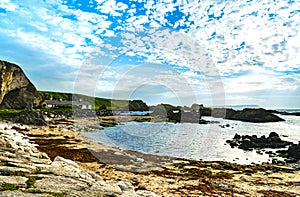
(31,181)
(96,102)
(110,104)
(8,186)
(35,191)
(59,194)
(9,114)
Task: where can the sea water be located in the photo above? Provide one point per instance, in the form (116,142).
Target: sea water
(195,141)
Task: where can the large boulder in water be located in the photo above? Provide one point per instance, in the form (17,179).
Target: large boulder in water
(254,115)
(16,92)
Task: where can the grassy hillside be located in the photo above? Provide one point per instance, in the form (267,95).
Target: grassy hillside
(95,101)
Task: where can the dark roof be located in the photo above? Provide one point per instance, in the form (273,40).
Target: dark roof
(56,102)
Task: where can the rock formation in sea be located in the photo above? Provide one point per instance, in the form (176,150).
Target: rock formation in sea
(247,115)
(255,115)
(138,105)
(247,142)
(17,92)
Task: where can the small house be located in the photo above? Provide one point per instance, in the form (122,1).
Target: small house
(59,103)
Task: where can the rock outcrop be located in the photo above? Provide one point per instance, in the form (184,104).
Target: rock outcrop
(29,117)
(294,151)
(254,115)
(16,92)
(137,105)
(25,171)
(245,115)
(247,142)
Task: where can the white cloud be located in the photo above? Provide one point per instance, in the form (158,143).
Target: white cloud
(8,5)
(240,46)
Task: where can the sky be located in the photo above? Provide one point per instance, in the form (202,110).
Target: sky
(178,52)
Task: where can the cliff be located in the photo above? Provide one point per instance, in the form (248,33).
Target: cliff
(16,90)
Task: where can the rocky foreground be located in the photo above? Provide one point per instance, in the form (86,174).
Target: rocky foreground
(25,171)
(105,171)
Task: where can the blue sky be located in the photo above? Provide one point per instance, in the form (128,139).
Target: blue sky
(179,52)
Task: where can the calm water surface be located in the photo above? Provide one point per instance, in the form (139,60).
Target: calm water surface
(195,141)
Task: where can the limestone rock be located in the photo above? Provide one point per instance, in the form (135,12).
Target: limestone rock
(18,181)
(17,92)
(145,193)
(125,186)
(24,172)
(67,161)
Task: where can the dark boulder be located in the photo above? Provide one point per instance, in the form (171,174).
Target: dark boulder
(273,135)
(222,112)
(205,111)
(237,136)
(294,151)
(29,117)
(247,142)
(137,105)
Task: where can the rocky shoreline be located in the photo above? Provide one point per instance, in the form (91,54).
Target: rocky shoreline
(280,148)
(75,166)
(25,171)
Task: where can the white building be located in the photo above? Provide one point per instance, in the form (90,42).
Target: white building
(57,103)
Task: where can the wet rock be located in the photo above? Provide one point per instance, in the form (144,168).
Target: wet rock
(247,142)
(237,137)
(294,151)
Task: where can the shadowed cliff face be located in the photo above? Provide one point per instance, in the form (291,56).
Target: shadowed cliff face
(16,92)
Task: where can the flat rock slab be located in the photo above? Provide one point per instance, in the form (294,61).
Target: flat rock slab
(17,193)
(8,171)
(18,181)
